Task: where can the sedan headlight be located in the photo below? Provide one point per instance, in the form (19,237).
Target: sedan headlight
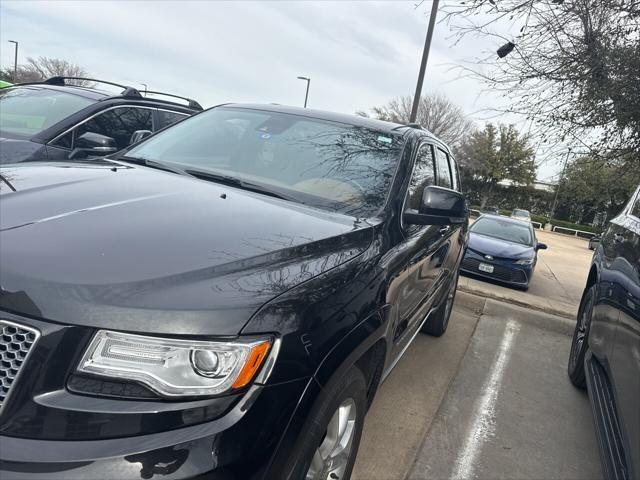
(524,261)
(174,367)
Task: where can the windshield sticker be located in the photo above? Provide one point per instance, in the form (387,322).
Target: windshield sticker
(384,139)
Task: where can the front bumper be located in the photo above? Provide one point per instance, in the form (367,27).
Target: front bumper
(238,445)
(504,271)
(49,432)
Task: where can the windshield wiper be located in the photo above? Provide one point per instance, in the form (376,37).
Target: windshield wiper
(152,164)
(238,183)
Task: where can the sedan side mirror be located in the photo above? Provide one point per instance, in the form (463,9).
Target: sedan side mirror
(541,246)
(439,206)
(91,143)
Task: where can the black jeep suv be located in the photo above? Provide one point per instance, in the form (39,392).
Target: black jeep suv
(605,352)
(58,120)
(222,299)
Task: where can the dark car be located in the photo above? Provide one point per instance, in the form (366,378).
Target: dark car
(490,210)
(502,249)
(594,242)
(56,120)
(222,299)
(605,351)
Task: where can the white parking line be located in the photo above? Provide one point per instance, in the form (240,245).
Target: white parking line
(483,420)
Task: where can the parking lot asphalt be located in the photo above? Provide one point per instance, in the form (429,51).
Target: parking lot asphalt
(490,399)
(557,283)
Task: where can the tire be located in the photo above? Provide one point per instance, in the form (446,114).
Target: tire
(438,320)
(305,462)
(580,341)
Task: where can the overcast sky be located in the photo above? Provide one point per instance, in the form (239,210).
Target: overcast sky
(358,54)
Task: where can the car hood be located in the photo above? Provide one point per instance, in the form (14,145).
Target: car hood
(498,248)
(131,248)
(16,150)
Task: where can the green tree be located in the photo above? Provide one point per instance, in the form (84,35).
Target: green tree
(494,154)
(594,184)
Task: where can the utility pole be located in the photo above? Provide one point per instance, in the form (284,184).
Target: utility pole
(306,95)
(555,198)
(15,62)
(423,64)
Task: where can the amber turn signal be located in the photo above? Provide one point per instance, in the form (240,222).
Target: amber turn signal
(251,366)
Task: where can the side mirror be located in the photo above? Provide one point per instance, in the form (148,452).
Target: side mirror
(139,135)
(541,246)
(439,206)
(91,143)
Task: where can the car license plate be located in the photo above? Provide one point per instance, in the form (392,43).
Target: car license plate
(483,267)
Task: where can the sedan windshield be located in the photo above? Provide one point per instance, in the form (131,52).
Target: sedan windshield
(330,165)
(26,111)
(503,229)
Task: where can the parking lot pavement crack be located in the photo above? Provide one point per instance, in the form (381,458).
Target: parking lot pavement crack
(565,293)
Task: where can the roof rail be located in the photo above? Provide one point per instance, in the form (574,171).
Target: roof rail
(126,91)
(409,125)
(190,102)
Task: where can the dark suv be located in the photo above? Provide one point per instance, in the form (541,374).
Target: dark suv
(56,120)
(605,352)
(224,298)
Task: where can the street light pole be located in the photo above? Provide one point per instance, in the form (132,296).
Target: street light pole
(423,64)
(306,95)
(555,198)
(15,62)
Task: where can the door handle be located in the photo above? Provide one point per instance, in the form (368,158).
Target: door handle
(444,229)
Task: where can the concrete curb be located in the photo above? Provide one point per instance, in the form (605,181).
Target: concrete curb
(559,311)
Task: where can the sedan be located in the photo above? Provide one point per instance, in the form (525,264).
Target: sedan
(502,249)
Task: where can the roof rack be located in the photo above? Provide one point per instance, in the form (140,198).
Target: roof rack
(190,102)
(126,90)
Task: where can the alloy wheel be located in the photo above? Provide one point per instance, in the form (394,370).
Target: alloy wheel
(331,458)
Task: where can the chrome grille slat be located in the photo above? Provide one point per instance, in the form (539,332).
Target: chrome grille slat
(16,342)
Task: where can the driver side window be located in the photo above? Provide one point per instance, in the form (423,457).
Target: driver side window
(421,177)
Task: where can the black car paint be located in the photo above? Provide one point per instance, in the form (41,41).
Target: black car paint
(126,247)
(38,147)
(614,337)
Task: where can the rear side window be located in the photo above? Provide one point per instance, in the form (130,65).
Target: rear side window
(442,169)
(166,118)
(422,176)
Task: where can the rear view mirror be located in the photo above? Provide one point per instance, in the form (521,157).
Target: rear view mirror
(139,135)
(439,206)
(91,143)
(541,246)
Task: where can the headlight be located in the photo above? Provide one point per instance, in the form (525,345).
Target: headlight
(174,367)
(524,261)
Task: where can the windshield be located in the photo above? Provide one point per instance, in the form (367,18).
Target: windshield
(329,165)
(503,230)
(26,111)
(520,213)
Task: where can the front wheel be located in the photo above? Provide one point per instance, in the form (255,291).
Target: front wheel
(580,344)
(331,435)
(438,321)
